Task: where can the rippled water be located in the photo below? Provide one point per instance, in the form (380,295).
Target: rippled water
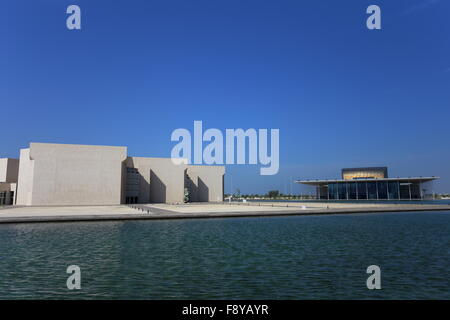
(313,257)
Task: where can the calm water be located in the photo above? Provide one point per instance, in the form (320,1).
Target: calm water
(314,257)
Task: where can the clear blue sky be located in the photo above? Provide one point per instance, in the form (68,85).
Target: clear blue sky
(341,95)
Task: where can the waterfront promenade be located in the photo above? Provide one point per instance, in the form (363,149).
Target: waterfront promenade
(19,214)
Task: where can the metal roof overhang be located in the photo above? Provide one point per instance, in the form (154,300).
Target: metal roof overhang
(322,182)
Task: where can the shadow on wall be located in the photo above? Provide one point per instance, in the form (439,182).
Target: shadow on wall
(136,187)
(190,185)
(157,189)
(203,191)
(198,192)
(144,189)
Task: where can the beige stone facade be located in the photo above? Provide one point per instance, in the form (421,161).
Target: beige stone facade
(205,183)
(9,174)
(64,174)
(160,181)
(9,170)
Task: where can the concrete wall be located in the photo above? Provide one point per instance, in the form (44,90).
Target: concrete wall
(205,183)
(9,170)
(59,174)
(161,180)
(62,174)
(25,185)
(6,186)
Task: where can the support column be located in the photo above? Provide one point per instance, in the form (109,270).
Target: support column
(420,189)
(409,188)
(387,190)
(367,191)
(376,184)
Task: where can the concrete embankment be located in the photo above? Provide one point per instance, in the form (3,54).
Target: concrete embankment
(196,211)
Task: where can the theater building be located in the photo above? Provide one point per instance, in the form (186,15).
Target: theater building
(67,174)
(372,183)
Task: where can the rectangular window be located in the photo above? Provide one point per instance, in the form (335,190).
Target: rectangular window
(351,186)
(362,191)
(332,191)
(372,190)
(393,190)
(382,190)
(2,198)
(415,190)
(342,191)
(404,190)
(322,192)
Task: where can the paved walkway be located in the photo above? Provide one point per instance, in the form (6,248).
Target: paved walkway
(200,210)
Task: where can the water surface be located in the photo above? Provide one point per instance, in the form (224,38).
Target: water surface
(307,257)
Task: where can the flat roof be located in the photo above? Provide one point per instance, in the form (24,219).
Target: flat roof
(317,182)
(364,168)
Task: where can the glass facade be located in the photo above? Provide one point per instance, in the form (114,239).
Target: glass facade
(374,190)
(6,198)
(342,191)
(415,191)
(393,189)
(332,191)
(322,192)
(427,190)
(362,190)
(404,190)
(382,190)
(351,186)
